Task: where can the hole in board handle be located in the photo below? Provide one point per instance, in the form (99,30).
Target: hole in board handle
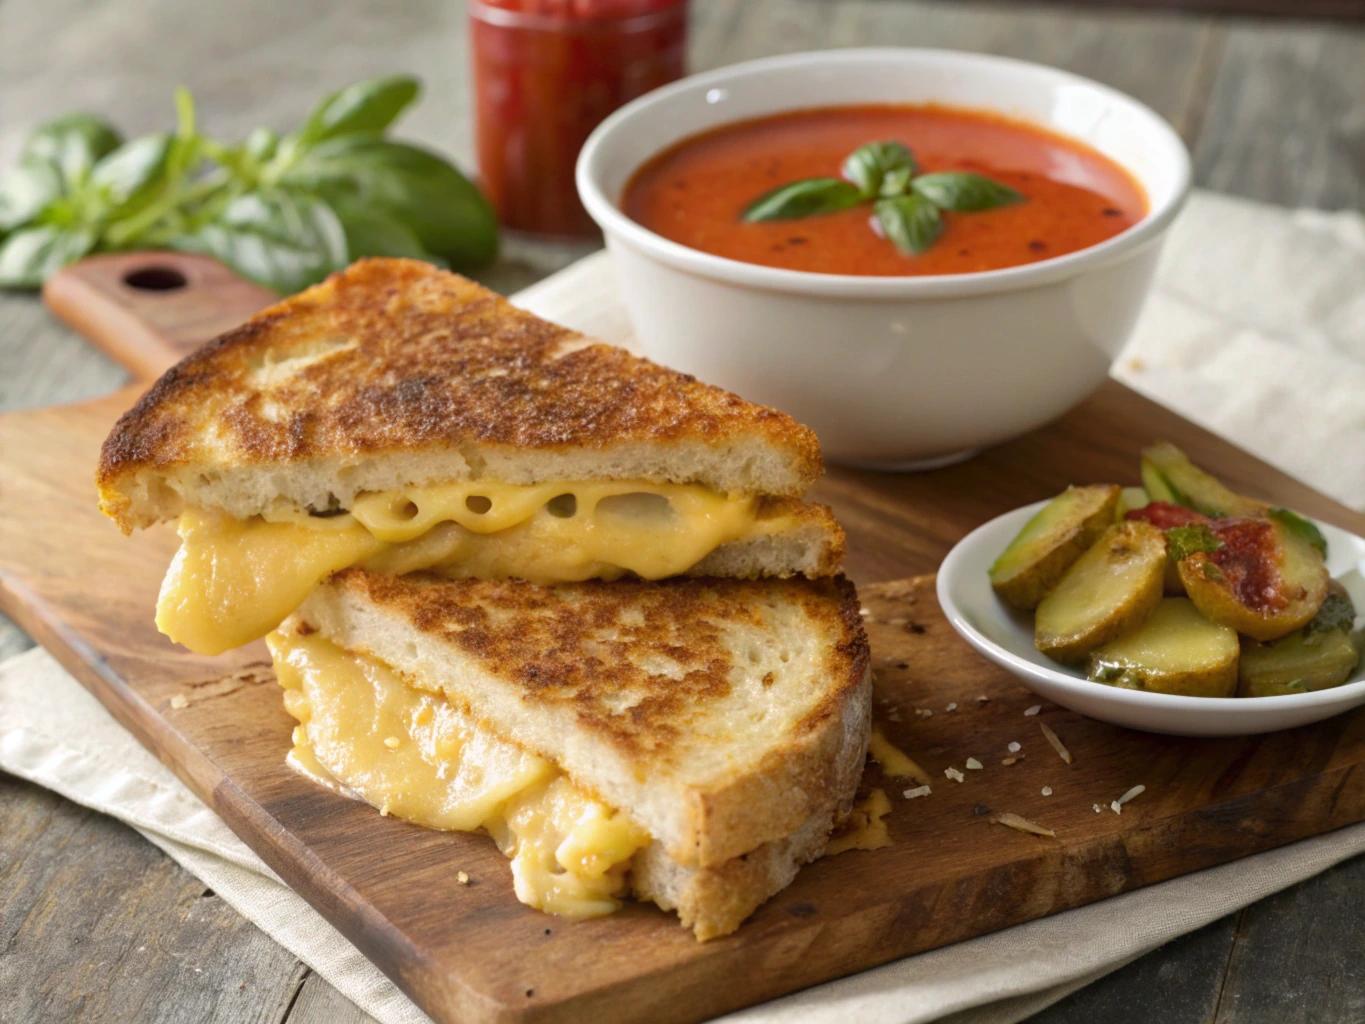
(155,279)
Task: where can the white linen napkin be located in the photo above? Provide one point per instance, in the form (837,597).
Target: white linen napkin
(1256,330)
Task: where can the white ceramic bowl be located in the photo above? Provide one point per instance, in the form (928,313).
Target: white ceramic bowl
(1005,636)
(892,373)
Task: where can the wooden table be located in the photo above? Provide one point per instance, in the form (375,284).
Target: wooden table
(96,924)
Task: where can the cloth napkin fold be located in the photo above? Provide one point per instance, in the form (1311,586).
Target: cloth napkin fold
(1256,330)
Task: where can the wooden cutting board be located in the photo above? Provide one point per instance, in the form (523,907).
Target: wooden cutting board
(473,953)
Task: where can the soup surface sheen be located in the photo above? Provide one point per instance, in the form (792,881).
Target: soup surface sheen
(695,192)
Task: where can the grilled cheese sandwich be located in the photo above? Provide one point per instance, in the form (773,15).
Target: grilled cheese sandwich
(395,685)
(401,418)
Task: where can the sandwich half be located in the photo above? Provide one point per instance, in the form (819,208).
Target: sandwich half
(691,742)
(401,418)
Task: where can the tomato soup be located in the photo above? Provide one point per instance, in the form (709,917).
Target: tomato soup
(697,191)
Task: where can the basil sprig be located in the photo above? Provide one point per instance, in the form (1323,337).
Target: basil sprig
(283,211)
(907,206)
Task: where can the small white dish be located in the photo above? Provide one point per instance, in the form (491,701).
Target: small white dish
(891,372)
(1004,635)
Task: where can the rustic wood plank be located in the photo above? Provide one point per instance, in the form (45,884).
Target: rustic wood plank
(320,1003)
(1298,955)
(1181,980)
(97,925)
(1286,119)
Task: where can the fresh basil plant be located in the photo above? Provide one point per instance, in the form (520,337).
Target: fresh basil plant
(283,211)
(907,206)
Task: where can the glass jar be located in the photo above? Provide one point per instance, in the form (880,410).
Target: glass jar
(546,73)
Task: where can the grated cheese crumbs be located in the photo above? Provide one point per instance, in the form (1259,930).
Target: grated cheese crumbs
(1116,807)
(1030,712)
(1047,791)
(954,774)
(1135,791)
(983,699)
(1014,748)
(391,742)
(1098,808)
(951,707)
(1023,825)
(1013,760)
(974,764)
(1056,742)
(918,791)
(924,713)
(865,612)
(462,877)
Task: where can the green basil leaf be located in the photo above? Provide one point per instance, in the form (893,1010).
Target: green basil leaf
(447,213)
(911,222)
(73,144)
(1183,541)
(26,192)
(868,167)
(807,198)
(963,192)
(368,106)
(896,181)
(371,234)
(284,240)
(130,173)
(30,255)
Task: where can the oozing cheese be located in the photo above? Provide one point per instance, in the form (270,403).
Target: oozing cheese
(414,755)
(233,580)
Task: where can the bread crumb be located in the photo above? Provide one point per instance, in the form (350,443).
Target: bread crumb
(180,701)
(391,742)
(1013,760)
(1014,748)
(1047,791)
(462,877)
(954,774)
(1030,712)
(918,791)
(865,612)
(974,764)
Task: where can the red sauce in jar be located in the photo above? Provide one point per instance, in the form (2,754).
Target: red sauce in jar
(695,191)
(546,73)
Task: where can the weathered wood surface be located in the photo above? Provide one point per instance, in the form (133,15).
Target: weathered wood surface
(1274,110)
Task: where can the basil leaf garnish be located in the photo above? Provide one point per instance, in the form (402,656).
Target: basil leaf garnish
(912,222)
(964,192)
(869,166)
(803,199)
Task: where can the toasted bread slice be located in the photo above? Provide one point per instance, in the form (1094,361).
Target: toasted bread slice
(720,715)
(394,374)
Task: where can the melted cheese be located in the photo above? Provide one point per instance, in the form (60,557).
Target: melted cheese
(866,826)
(414,755)
(233,580)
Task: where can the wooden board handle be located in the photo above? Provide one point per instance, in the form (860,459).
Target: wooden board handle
(151,309)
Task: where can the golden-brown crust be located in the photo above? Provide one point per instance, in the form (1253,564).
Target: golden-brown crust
(392,355)
(580,646)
